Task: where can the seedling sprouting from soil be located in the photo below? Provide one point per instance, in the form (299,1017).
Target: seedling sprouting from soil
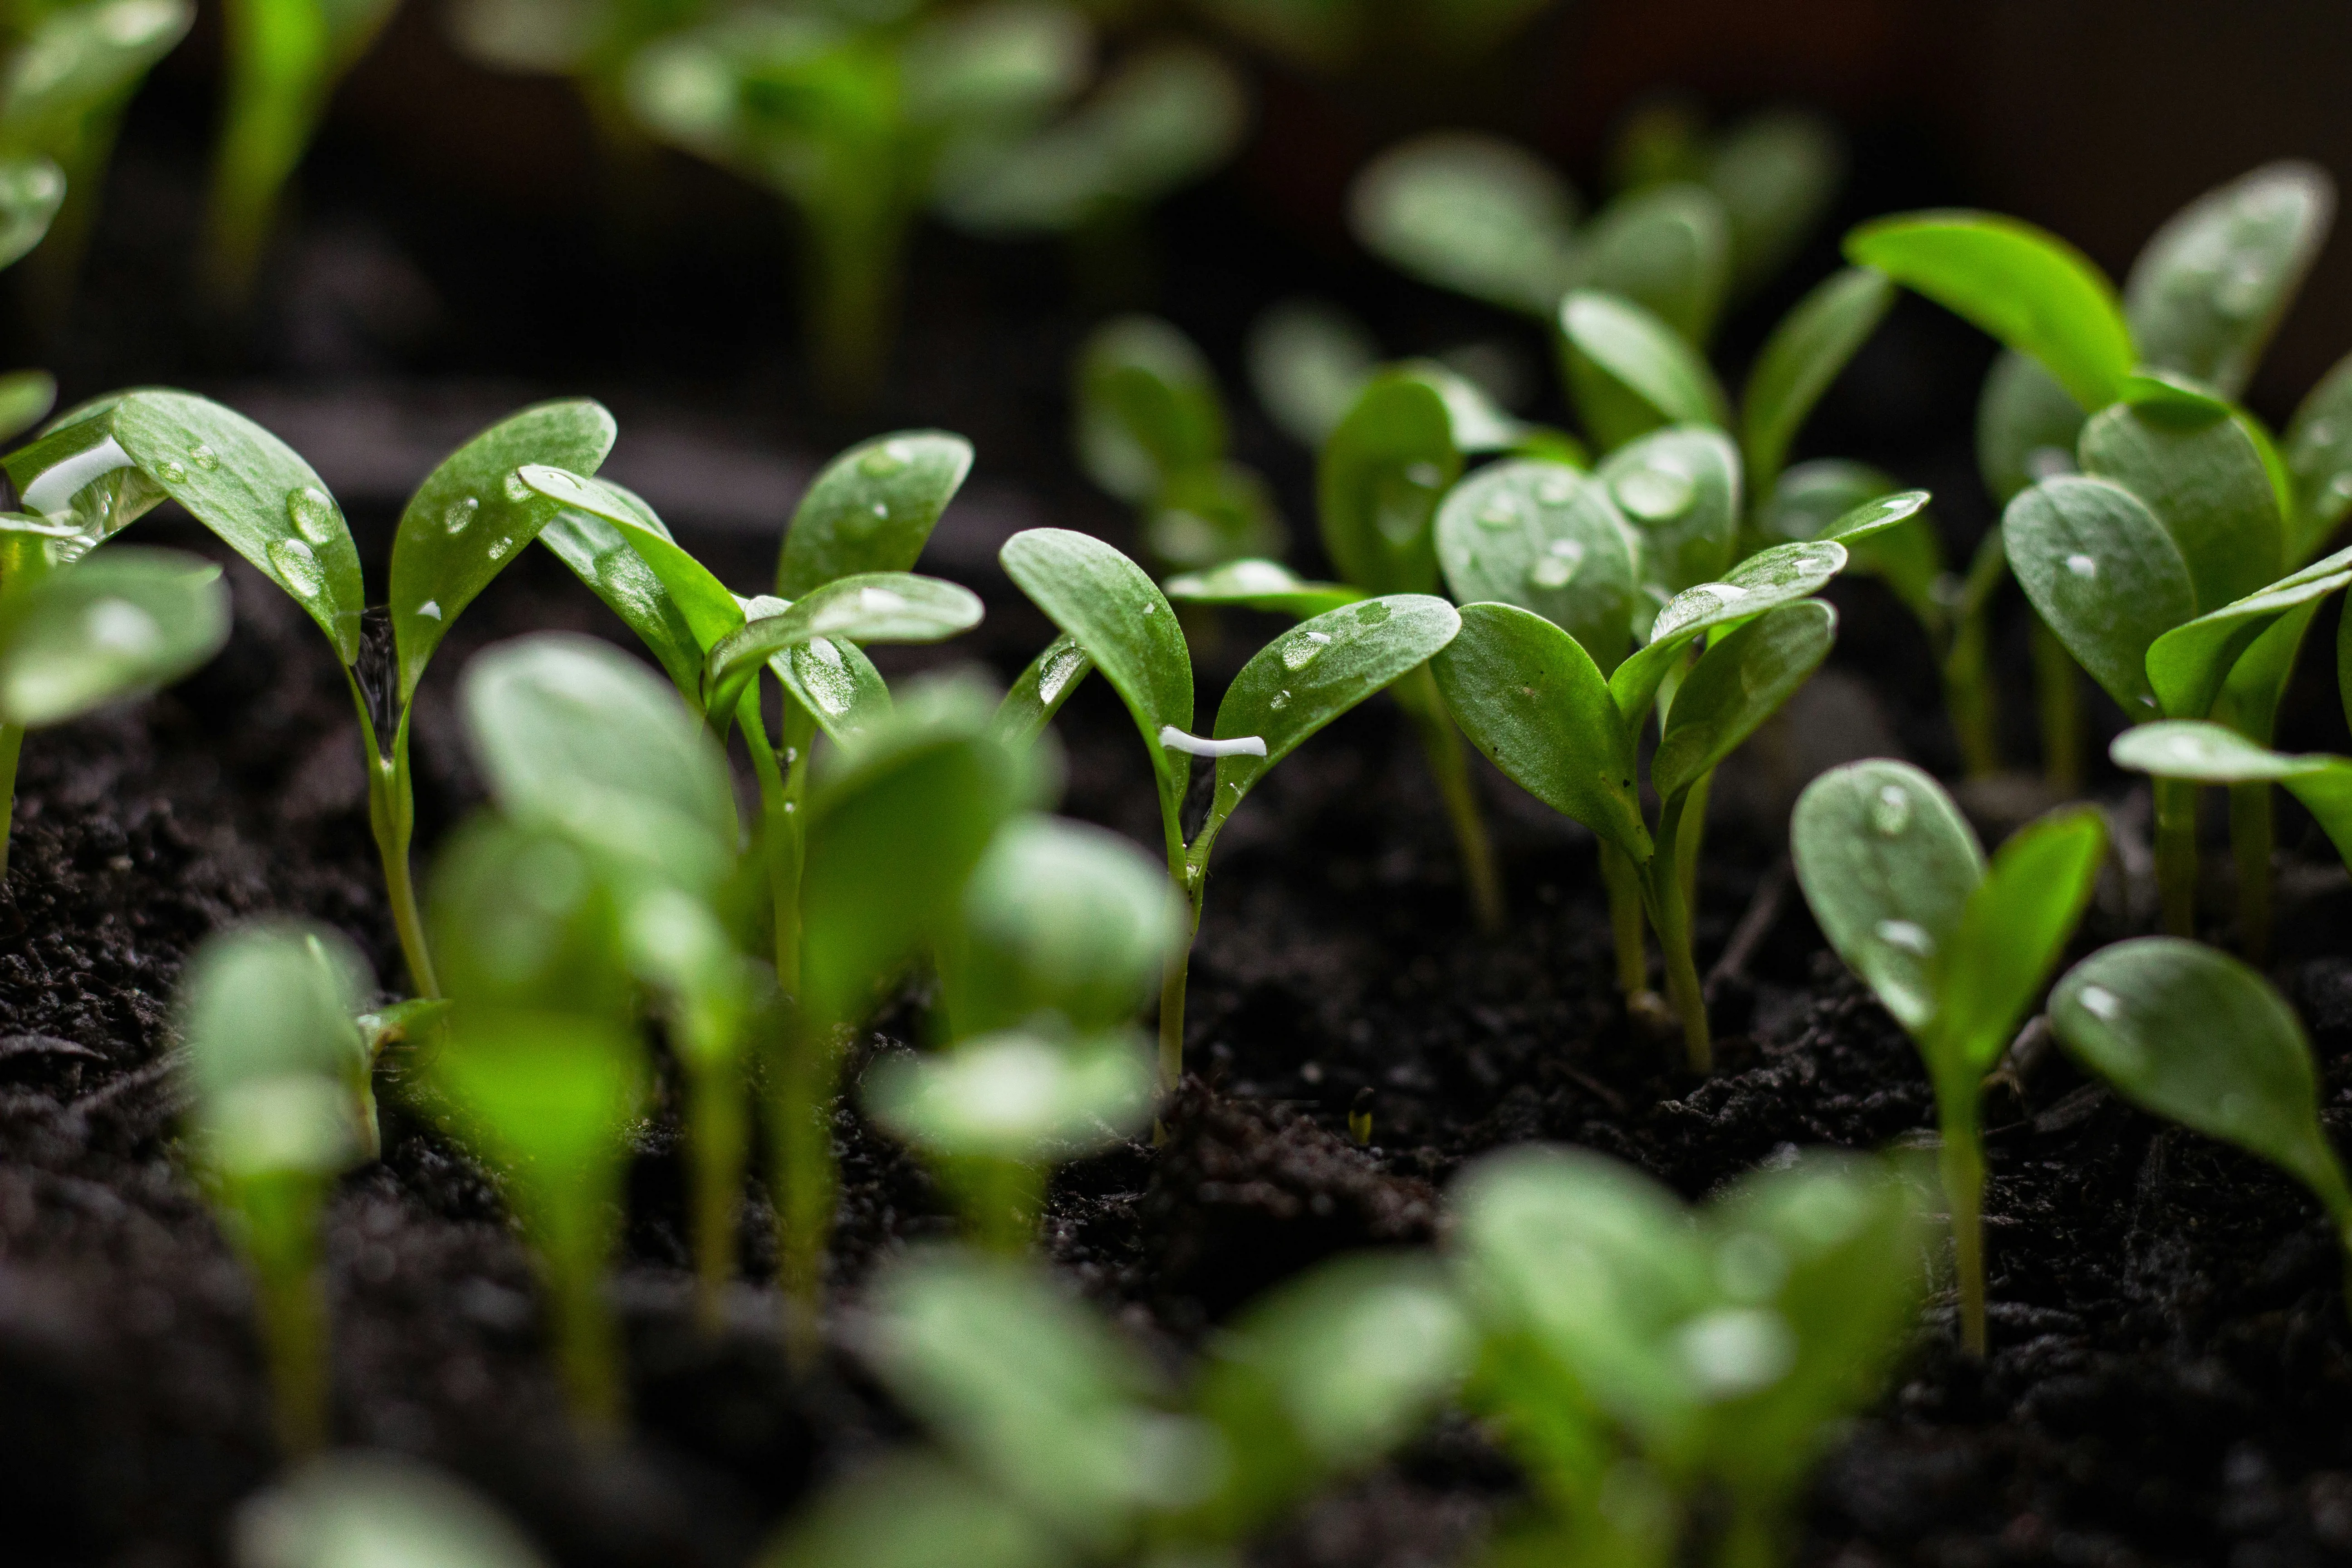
(74,638)
(280,1107)
(1636,1355)
(1305,678)
(2197,1037)
(1957,951)
(284,58)
(2207,753)
(1150,430)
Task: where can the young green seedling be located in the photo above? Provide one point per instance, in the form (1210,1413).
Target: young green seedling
(284,58)
(280,1106)
(1637,1354)
(1150,429)
(2204,753)
(540,1070)
(2199,1038)
(74,637)
(1289,690)
(1536,703)
(375,1508)
(1955,950)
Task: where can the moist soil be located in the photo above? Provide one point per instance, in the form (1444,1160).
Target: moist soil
(2170,1363)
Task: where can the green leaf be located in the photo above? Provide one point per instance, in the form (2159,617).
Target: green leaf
(1630,371)
(684,590)
(32,189)
(1062,919)
(250,488)
(1124,623)
(25,395)
(110,626)
(1261,586)
(378,1507)
(1313,673)
(1666,248)
(2027,427)
(2011,935)
(571,733)
(76,59)
(1308,361)
(1680,490)
(2195,1037)
(2318,457)
(1473,214)
(1479,423)
(871,606)
(2208,289)
(1889,866)
(2188,665)
(2103,575)
(2023,285)
(1378,482)
(599,556)
(910,1510)
(1041,690)
(1806,349)
(2211,753)
(1739,683)
(1886,530)
(1765,580)
(1147,406)
(836,684)
(872,508)
(1537,706)
(1776,172)
(1017,1096)
(524,918)
(1547,538)
(2203,478)
(473,514)
(278,1067)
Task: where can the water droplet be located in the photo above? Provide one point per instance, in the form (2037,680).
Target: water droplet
(516,489)
(1735,1351)
(203,457)
(170,472)
(297,567)
(1909,935)
(1499,512)
(1655,494)
(312,513)
(1555,489)
(2101,1003)
(2081,566)
(460,514)
(1890,814)
(2243,290)
(824,677)
(1304,649)
(1371,613)
(1551,572)
(1149,608)
(881,511)
(1427,476)
(430,609)
(2320,433)
(498,549)
(1057,673)
(880,462)
(1278,701)
(2341,485)
(119,627)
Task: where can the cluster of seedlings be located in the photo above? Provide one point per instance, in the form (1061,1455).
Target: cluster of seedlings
(1606,615)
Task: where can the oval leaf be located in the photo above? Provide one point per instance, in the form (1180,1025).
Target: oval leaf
(2103,575)
(2202,476)
(1473,214)
(1680,490)
(2189,664)
(1668,249)
(872,606)
(872,508)
(2010,937)
(1378,482)
(1631,373)
(1255,584)
(32,188)
(1777,173)
(2210,288)
(1041,690)
(1736,684)
(1308,361)
(114,623)
(1547,538)
(1148,407)
(1805,353)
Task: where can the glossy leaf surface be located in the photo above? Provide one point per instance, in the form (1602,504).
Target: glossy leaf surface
(1782,574)
(2189,664)
(872,508)
(1739,682)
(32,188)
(2103,575)
(2011,935)
(1258,584)
(1041,688)
(2202,475)
(1680,490)
(2212,754)
(115,623)
(1806,349)
(871,606)
(1547,538)
(598,515)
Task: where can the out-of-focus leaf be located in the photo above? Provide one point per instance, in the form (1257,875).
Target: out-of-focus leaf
(1631,373)
(1668,249)
(119,621)
(1308,361)
(1379,481)
(1473,214)
(2208,289)
(1805,353)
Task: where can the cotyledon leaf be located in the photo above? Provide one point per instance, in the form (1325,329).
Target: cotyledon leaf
(1547,538)
(1313,673)
(869,607)
(872,508)
(2011,935)
(1889,865)
(1668,249)
(1635,355)
(1805,353)
(1473,214)
(121,621)
(1766,580)
(2027,425)
(2188,665)
(2103,575)
(1680,490)
(1258,584)
(1739,682)
(257,494)
(2215,754)
(836,683)
(25,395)
(1534,702)
(474,513)
(32,188)
(705,605)
(2202,476)
(1039,691)
(1378,482)
(2209,288)
(2317,451)
(599,556)
(1148,407)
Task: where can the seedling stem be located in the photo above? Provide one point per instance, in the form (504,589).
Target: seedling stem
(281,1239)
(2061,701)
(720,1130)
(12,746)
(1623,880)
(1451,766)
(392,816)
(1961,1159)
(2176,854)
(1669,879)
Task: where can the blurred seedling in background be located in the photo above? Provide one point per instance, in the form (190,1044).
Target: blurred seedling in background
(77,635)
(2198,752)
(2197,1037)
(284,60)
(2201,302)
(1062,1442)
(1121,624)
(1637,1357)
(375,1511)
(1535,703)
(1957,951)
(1150,430)
(280,1105)
(863,124)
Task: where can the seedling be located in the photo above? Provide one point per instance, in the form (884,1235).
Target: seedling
(1956,951)
(280,1106)
(284,58)
(76,637)
(375,1508)
(2199,1038)
(1082,1451)
(1308,362)
(1150,429)
(1636,1354)
(1536,703)
(1289,690)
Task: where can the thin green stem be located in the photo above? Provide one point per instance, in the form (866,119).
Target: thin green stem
(2058,689)
(801,1070)
(11,747)
(782,792)
(1969,701)
(2176,854)
(1961,1159)
(857,237)
(2251,839)
(587,1355)
(1690,840)
(391,817)
(1670,913)
(274,1218)
(1626,919)
(718,1136)
(1193,881)
(1449,763)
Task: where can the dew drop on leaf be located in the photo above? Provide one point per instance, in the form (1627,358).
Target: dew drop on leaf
(1057,673)
(2101,1003)
(1278,701)
(297,567)
(1655,494)
(170,472)
(823,676)
(203,457)
(119,627)
(1304,649)
(1555,491)
(430,609)
(1426,475)
(1890,814)
(460,514)
(1551,572)
(882,461)
(312,513)
(1909,935)
(1498,513)
(2081,566)
(1371,613)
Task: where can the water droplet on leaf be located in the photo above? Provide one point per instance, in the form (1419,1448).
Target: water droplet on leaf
(516,489)
(203,457)
(1909,935)
(1427,476)
(297,567)
(170,472)
(2081,566)
(430,609)
(460,514)
(880,462)
(1890,814)
(1371,613)
(1304,649)
(1655,494)
(1555,489)
(1278,701)
(312,513)
(2101,1003)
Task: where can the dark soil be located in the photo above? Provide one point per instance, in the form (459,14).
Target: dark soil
(2168,1382)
